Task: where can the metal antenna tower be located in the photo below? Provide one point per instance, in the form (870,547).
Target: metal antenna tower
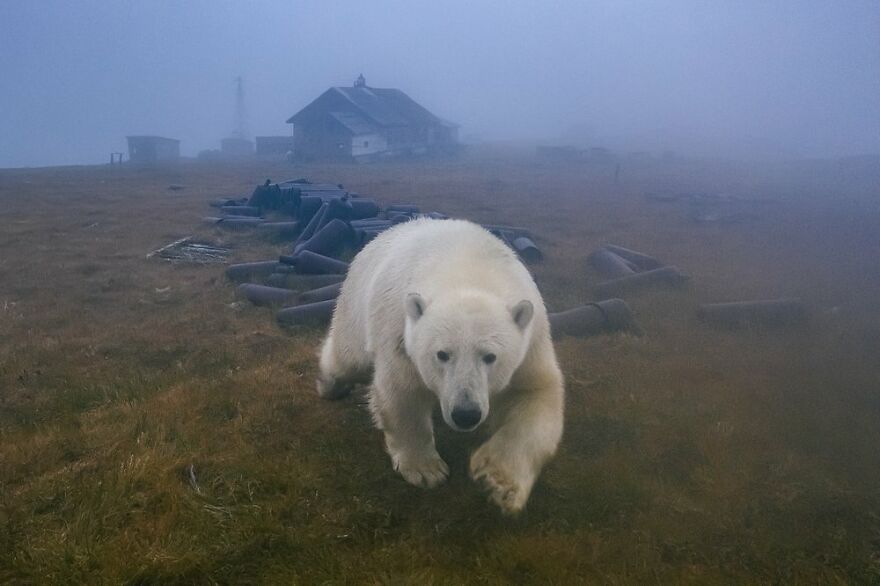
(240,129)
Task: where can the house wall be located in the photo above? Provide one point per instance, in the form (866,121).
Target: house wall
(322,139)
(368,144)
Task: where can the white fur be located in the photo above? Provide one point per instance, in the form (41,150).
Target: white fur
(448,285)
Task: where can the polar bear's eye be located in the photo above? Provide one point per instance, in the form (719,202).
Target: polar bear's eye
(442,356)
(489,358)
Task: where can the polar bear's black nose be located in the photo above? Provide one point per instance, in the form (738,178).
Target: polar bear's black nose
(466,416)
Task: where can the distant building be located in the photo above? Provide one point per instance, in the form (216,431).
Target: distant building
(274,146)
(362,122)
(152,150)
(234,147)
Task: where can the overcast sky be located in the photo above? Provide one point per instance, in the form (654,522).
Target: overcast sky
(736,77)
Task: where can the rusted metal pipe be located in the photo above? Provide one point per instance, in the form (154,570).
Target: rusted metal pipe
(309,263)
(610,264)
(308,207)
(662,276)
(371,223)
(265,296)
(363,236)
(363,207)
(278,229)
(403,208)
(297,282)
(312,226)
(510,229)
(251,270)
(320,294)
(610,315)
(337,208)
(767,312)
(643,261)
(309,314)
(329,240)
(527,249)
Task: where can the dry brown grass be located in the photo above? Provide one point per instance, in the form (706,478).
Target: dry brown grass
(690,455)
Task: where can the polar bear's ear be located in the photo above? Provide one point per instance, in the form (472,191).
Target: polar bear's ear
(415,306)
(522,313)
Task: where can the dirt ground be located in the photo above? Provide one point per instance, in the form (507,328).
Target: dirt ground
(693,454)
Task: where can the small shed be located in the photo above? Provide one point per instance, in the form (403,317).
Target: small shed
(152,150)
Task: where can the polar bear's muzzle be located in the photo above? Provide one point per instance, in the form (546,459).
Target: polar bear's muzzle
(466,413)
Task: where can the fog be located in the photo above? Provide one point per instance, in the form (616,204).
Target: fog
(738,79)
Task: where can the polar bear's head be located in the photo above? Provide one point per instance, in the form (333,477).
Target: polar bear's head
(466,348)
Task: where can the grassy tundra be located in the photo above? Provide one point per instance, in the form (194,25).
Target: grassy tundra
(690,455)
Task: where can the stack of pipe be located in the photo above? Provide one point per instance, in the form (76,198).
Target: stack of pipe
(325,222)
(629,270)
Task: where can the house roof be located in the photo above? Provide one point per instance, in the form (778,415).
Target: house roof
(356,123)
(379,106)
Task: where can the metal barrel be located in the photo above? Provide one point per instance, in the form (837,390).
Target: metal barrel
(610,315)
(641,260)
(250,270)
(371,223)
(297,282)
(308,207)
(767,312)
(320,312)
(403,207)
(527,249)
(610,264)
(364,236)
(329,240)
(312,226)
(320,294)
(399,217)
(337,209)
(278,229)
(363,207)
(662,276)
(263,295)
(241,211)
(511,229)
(310,263)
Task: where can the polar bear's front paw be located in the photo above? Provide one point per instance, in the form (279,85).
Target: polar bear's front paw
(507,488)
(331,388)
(424,470)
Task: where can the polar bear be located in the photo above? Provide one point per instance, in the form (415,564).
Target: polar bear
(441,311)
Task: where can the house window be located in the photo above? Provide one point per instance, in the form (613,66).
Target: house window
(366,143)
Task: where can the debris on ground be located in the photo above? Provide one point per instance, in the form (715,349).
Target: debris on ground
(324,222)
(630,270)
(187,250)
(610,315)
